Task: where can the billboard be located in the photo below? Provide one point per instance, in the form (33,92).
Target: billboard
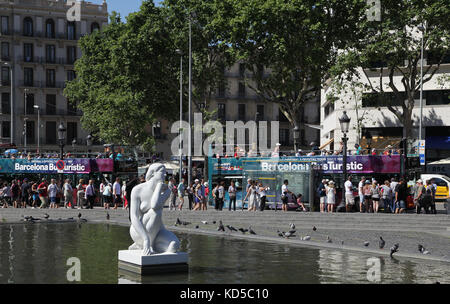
(66,166)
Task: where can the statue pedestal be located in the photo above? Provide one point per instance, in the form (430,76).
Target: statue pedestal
(133,261)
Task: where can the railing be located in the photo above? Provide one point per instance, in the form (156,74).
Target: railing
(42,84)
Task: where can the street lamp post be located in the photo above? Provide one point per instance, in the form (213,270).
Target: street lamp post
(25,134)
(39,126)
(296,132)
(190,104)
(88,143)
(180,52)
(345,123)
(422,29)
(61,138)
(11,68)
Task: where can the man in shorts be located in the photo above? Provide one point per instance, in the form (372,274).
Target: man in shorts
(361,193)
(322,195)
(43,195)
(349,199)
(284,195)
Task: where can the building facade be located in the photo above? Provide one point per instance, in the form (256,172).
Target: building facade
(373,125)
(38,52)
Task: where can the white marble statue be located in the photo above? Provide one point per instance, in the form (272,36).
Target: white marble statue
(147,202)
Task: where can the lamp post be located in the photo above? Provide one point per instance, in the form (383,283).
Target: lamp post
(422,29)
(180,148)
(296,131)
(61,138)
(88,143)
(25,134)
(39,126)
(345,123)
(190,104)
(369,142)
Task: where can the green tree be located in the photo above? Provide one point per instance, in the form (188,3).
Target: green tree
(390,49)
(127,78)
(295,41)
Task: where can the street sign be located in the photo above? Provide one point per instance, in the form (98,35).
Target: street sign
(422,152)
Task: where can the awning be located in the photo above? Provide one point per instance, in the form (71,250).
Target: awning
(326,144)
(445,161)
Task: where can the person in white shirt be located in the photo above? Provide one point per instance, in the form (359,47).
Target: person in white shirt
(90,194)
(181,190)
(68,194)
(117,191)
(284,195)
(349,199)
(232,195)
(393,185)
(262,196)
(107,195)
(52,192)
(361,193)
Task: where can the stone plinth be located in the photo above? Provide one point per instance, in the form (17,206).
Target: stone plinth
(133,261)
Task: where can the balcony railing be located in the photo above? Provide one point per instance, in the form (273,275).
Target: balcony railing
(41,84)
(49,112)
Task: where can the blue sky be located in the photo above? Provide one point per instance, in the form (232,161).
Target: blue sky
(124,7)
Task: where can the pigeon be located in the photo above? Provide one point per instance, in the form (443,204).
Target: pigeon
(366,243)
(280,234)
(251,230)
(243,230)
(292,226)
(107,215)
(178,222)
(79,215)
(204,222)
(231,228)
(314,228)
(306,238)
(185,223)
(394,249)
(382,243)
(70,218)
(329,239)
(287,234)
(46,216)
(423,250)
(342,243)
(196,227)
(214,222)
(292,231)
(221,227)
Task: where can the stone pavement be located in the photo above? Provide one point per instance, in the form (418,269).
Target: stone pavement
(409,230)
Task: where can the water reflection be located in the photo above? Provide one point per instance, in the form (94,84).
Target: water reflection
(37,253)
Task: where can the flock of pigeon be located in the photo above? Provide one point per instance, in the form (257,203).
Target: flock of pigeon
(31,219)
(291,233)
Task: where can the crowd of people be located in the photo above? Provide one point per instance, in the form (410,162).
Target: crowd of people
(58,194)
(55,155)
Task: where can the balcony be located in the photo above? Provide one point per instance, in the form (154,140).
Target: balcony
(41,84)
(48,112)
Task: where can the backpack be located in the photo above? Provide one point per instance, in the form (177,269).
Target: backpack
(427,197)
(216,193)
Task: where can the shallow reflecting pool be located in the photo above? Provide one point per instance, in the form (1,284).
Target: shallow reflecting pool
(38,253)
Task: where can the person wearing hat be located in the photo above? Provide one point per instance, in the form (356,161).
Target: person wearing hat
(418,194)
(367,191)
(331,196)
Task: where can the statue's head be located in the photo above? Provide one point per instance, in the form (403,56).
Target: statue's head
(156,171)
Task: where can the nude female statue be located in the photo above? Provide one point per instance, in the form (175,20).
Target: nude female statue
(147,202)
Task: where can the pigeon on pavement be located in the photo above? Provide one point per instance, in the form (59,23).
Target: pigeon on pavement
(221,227)
(366,243)
(394,249)
(251,230)
(382,243)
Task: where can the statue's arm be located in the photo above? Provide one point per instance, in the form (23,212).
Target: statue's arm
(159,199)
(135,214)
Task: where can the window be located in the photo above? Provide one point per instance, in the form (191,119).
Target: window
(241,112)
(50,132)
(50,78)
(30,132)
(5,25)
(28,26)
(6,129)
(71,35)
(381,99)
(259,112)
(70,75)
(241,92)
(284,137)
(5,76)
(71,54)
(329,108)
(28,77)
(50,106)
(71,132)
(95,27)
(6,104)
(71,108)
(241,70)
(157,130)
(29,103)
(437,97)
(221,111)
(28,52)
(50,54)
(5,51)
(50,28)
(222,88)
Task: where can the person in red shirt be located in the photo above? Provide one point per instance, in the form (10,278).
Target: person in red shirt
(42,189)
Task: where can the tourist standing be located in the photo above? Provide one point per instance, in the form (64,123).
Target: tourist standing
(68,194)
(393,186)
(6,195)
(90,194)
(367,190)
(232,196)
(181,191)
(284,195)
(433,187)
(190,193)
(173,194)
(52,192)
(262,196)
(349,199)
(35,195)
(361,193)
(386,197)
(25,189)
(331,196)
(124,194)
(205,194)
(15,190)
(117,191)
(80,194)
(375,193)
(251,194)
(198,195)
(401,193)
(107,195)
(321,191)
(42,189)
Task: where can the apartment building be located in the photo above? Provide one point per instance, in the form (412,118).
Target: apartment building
(236,101)
(379,127)
(38,47)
